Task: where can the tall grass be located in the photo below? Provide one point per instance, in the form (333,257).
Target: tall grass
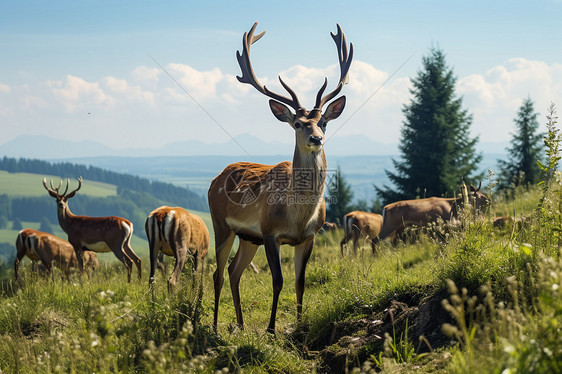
(502,288)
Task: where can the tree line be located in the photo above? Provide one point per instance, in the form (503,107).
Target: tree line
(182,196)
(437,151)
(135,196)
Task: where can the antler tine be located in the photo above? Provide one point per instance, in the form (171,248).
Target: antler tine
(67,184)
(79,179)
(249,77)
(344,59)
(57,188)
(47,188)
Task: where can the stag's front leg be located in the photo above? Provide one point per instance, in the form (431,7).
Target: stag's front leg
(274,260)
(302,255)
(79,257)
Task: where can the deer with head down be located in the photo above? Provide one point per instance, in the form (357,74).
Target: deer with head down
(176,232)
(50,250)
(97,234)
(359,224)
(401,214)
(279,204)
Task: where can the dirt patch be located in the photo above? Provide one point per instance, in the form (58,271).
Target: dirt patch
(349,343)
(45,322)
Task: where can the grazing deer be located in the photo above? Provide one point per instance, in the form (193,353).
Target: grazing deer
(329,226)
(176,232)
(275,204)
(420,212)
(97,234)
(50,250)
(357,224)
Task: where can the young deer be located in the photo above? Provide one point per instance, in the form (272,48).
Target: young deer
(275,204)
(97,234)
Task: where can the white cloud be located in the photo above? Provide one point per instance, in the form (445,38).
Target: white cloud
(74,93)
(200,84)
(146,75)
(122,89)
(146,109)
(495,96)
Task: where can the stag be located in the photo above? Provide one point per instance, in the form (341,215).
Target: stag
(275,204)
(178,233)
(49,250)
(97,234)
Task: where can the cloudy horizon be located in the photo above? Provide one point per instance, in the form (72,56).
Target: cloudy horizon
(142,104)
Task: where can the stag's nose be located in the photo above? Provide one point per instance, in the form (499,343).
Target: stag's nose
(315,140)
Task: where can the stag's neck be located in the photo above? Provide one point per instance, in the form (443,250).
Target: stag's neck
(312,165)
(65,217)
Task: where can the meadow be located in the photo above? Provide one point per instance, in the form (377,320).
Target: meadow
(481,299)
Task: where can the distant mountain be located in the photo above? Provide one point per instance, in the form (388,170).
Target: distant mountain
(44,147)
(246,145)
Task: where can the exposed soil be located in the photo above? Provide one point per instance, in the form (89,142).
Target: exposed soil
(351,342)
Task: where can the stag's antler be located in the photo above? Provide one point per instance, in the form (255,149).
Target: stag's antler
(71,194)
(344,59)
(249,77)
(55,190)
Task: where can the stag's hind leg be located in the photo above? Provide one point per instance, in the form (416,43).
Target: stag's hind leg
(224,238)
(246,252)
(153,247)
(180,254)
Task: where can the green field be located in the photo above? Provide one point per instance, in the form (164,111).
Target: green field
(26,184)
(385,312)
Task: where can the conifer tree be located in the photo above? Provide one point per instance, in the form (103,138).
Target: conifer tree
(436,148)
(339,198)
(525,150)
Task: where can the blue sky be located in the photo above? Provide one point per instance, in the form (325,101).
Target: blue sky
(85,70)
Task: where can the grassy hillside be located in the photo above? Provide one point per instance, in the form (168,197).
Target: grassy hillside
(27,184)
(483,300)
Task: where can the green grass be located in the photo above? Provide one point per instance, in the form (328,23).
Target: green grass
(26,184)
(103,324)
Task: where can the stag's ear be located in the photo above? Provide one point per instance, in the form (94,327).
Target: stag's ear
(53,194)
(70,195)
(334,110)
(281,112)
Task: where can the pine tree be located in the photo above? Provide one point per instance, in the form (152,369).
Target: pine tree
(436,148)
(339,197)
(525,150)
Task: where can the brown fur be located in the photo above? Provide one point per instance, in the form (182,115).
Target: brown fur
(178,233)
(359,224)
(401,214)
(275,204)
(329,226)
(84,231)
(50,250)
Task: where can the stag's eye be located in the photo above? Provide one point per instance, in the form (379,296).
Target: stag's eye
(298,125)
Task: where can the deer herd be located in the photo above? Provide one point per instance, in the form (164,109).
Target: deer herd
(267,205)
